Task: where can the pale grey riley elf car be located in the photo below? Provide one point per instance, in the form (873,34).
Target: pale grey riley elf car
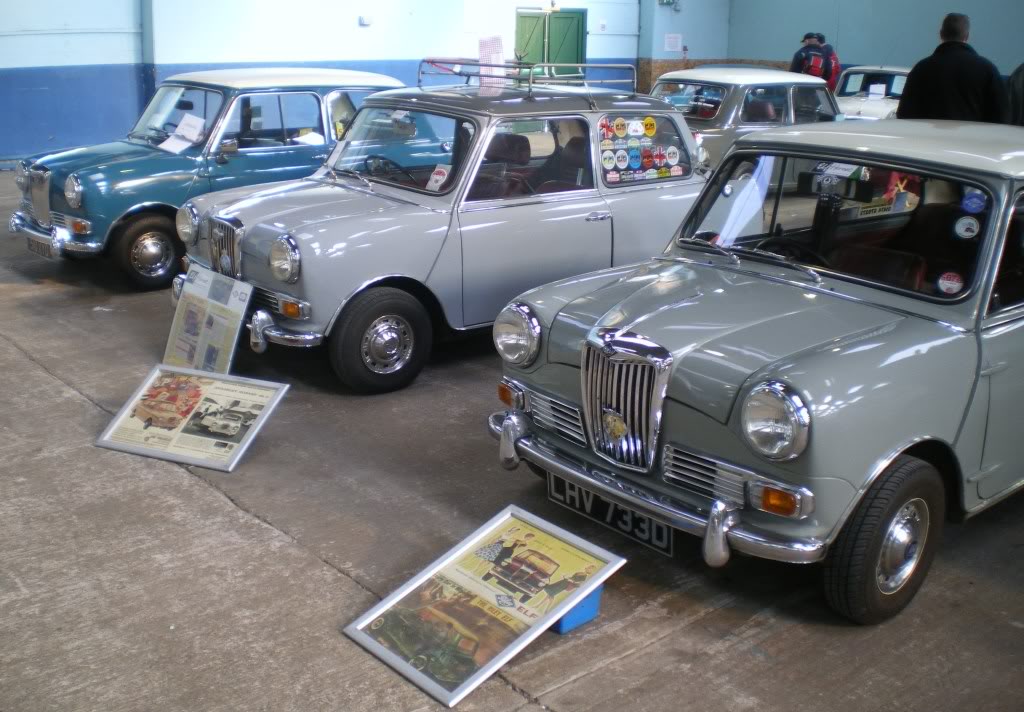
(440,205)
(826,362)
(722,104)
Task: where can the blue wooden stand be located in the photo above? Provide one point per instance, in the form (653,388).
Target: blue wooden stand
(583,612)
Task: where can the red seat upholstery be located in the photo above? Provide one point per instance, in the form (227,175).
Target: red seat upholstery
(898,269)
(760,111)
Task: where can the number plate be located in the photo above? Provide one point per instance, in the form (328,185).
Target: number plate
(40,248)
(624,520)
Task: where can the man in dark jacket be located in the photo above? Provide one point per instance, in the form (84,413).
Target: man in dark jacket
(955,82)
(835,68)
(811,59)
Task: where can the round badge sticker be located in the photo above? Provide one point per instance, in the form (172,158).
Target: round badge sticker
(607,145)
(608,160)
(636,128)
(621,159)
(950,283)
(620,144)
(619,126)
(650,126)
(646,142)
(966,228)
(672,155)
(634,158)
(974,202)
(633,143)
(646,158)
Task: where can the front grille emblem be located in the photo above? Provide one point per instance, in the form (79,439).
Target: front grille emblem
(225,263)
(614,426)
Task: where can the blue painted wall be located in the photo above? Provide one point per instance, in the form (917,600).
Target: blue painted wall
(703,25)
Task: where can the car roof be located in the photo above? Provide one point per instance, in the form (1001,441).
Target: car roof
(741,76)
(991,148)
(877,68)
(260,77)
(516,100)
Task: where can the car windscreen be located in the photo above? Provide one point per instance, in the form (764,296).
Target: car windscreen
(694,99)
(413,149)
(171,103)
(872,84)
(905,230)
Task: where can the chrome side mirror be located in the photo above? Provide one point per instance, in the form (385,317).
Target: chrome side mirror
(226,147)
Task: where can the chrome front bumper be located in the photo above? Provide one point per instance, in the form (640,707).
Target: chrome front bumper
(58,238)
(722,529)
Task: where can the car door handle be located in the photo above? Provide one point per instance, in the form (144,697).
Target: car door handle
(598,216)
(320,157)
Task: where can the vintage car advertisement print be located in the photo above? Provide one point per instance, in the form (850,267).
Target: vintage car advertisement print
(770,382)
(207,321)
(188,416)
(453,625)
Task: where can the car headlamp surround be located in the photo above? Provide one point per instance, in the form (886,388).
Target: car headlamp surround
(284,259)
(775,421)
(73,191)
(516,334)
(186,222)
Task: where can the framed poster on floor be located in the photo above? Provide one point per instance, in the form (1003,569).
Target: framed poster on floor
(193,417)
(459,620)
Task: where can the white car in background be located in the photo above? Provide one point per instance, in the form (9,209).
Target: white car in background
(871,92)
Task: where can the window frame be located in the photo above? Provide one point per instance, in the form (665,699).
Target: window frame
(657,181)
(816,88)
(787,115)
(326,106)
(222,128)
(215,123)
(1012,311)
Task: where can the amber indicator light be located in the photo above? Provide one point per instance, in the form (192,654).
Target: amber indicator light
(778,502)
(290,310)
(505,394)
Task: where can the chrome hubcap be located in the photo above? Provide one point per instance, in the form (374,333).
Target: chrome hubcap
(387,344)
(902,546)
(152,254)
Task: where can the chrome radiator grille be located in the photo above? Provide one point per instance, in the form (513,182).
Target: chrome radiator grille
(26,207)
(618,395)
(556,416)
(703,477)
(224,248)
(264,298)
(39,189)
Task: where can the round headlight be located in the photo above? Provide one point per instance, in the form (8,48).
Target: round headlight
(21,177)
(776,422)
(73,191)
(284,259)
(517,334)
(186,222)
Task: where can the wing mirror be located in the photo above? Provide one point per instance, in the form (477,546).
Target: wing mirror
(226,147)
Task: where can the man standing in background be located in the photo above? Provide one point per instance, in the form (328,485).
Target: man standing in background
(835,68)
(811,59)
(955,82)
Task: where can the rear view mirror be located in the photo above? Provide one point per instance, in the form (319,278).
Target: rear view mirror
(229,145)
(184,105)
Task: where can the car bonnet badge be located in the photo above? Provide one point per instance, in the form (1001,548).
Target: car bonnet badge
(614,426)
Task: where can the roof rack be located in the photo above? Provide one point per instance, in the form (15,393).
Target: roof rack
(519,73)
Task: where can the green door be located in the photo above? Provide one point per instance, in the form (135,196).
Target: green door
(530,36)
(567,38)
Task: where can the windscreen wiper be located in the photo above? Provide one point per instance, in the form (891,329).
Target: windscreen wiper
(351,173)
(779,259)
(699,244)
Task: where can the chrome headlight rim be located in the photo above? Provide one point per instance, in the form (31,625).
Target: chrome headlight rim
(798,414)
(187,215)
(73,191)
(21,176)
(531,328)
(291,257)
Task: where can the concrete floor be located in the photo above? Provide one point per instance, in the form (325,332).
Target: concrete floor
(134,584)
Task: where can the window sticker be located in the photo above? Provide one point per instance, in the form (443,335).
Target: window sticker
(647,148)
(974,201)
(967,227)
(950,283)
(675,171)
(608,160)
(658,153)
(621,160)
(636,128)
(438,176)
(646,142)
(619,126)
(651,174)
(607,145)
(633,143)
(672,155)
(605,127)
(620,144)
(646,158)
(650,126)
(612,176)
(634,158)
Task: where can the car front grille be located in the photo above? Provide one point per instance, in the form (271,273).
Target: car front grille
(225,255)
(58,219)
(39,190)
(703,477)
(622,397)
(265,299)
(556,416)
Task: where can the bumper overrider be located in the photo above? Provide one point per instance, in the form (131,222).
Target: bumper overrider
(58,239)
(262,327)
(722,528)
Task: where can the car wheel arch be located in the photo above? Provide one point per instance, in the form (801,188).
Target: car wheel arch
(137,211)
(411,286)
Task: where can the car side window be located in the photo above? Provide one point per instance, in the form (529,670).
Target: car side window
(641,148)
(528,156)
(764,105)
(811,104)
(341,109)
(1009,286)
(275,120)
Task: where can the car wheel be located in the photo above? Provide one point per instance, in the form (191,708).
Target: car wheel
(381,341)
(881,558)
(149,251)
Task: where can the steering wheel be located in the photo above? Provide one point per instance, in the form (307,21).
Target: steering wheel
(375,161)
(168,130)
(788,247)
(516,179)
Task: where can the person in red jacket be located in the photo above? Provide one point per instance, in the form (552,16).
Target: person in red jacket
(833,61)
(810,59)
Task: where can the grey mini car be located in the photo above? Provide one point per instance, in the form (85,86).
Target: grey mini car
(440,205)
(825,364)
(722,104)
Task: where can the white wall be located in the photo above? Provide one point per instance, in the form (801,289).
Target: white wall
(49,33)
